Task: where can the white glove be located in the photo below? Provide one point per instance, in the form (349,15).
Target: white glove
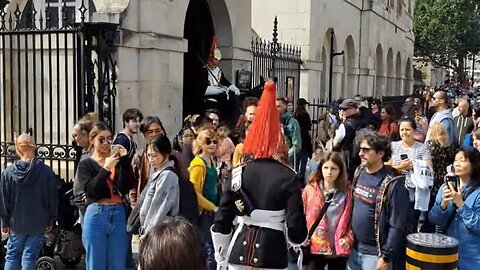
(220,244)
(215,90)
(234,89)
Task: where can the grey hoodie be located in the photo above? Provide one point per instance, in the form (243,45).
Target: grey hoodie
(28,197)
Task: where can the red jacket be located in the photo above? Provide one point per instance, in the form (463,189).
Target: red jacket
(388,128)
(313,200)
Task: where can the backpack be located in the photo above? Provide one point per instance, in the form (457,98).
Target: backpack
(188,204)
(188,198)
(395,136)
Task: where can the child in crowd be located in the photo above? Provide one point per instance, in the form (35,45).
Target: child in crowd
(225,147)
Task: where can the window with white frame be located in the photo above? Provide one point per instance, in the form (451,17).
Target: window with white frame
(54,9)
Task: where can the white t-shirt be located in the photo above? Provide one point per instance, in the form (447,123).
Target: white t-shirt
(417,151)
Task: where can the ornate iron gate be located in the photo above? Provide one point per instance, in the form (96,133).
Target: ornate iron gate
(278,61)
(53,71)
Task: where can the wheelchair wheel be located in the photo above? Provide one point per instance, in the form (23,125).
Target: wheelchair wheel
(70,262)
(46,263)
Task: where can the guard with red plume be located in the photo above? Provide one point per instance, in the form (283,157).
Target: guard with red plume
(265,197)
(264,134)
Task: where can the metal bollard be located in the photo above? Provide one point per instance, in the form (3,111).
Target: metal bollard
(431,251)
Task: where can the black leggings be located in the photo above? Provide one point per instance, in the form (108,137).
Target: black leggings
(318,262)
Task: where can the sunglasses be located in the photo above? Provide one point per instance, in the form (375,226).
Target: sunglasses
(365,149)
(103,140)
(210,141)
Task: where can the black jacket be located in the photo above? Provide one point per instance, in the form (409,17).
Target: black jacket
(269,185)
(305,123)
(92,178)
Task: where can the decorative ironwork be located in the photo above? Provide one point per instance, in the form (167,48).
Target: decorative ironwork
(317,109)
(54,70)
(280,62)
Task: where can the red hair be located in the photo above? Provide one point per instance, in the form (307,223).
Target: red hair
(264,134)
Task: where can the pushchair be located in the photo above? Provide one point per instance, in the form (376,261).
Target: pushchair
(65,240)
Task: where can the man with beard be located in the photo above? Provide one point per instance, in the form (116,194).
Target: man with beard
(291,131)
(443,115)
(381,218)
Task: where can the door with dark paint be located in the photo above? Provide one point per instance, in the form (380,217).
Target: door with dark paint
(199,31)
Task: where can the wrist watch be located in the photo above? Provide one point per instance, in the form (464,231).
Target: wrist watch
(386,259)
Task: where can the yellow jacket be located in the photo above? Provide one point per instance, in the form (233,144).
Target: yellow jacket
(238,155)
(198,172)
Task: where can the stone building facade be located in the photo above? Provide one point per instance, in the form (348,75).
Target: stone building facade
(158,44)
(153,51)
(376,37)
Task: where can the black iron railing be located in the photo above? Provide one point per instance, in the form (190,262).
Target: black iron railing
(280,62)
(54,69)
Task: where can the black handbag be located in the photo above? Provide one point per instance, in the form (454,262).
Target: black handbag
(306,249)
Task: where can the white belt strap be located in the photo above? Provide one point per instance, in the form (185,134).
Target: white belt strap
(274,220)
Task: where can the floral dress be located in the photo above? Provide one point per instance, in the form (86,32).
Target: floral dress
(442,156)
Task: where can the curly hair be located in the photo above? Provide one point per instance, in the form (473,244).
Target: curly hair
(377,142)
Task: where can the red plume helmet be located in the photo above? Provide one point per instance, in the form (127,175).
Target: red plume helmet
(264,134)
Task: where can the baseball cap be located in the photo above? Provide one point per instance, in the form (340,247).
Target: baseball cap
(348,103)
(302,101)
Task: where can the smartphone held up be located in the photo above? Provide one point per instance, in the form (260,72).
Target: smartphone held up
(114,150)
(453,181)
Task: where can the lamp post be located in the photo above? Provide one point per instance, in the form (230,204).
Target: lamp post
(332,55)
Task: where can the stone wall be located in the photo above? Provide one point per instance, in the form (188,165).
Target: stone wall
(151,50)
(360,28)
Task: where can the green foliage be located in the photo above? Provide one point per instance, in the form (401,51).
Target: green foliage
(446,30)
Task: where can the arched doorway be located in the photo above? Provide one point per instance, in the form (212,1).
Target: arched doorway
(348,81)
(329,43)
(199,31)
(379,73)
(398,75)
(323,75)
(390,73)
(408,78)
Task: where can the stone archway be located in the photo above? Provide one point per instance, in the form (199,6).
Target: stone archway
(348,81)
(379,71)
(336,80)
(398,75)
(223,31)
(408,78)
(390,73)
(204,19)
(323,74)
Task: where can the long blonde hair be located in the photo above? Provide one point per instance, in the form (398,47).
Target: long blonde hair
(438,133)
(201,140)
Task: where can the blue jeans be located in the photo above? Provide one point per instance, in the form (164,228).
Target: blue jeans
(360,261)
(206,222)
(105,237)
(293,266)
(301,166)
(22,251)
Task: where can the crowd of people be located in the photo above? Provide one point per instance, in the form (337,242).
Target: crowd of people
(261,195)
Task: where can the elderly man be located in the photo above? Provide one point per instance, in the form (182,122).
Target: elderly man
(463,122)
(28,205)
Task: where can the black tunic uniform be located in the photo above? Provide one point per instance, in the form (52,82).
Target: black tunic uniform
(269,185)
